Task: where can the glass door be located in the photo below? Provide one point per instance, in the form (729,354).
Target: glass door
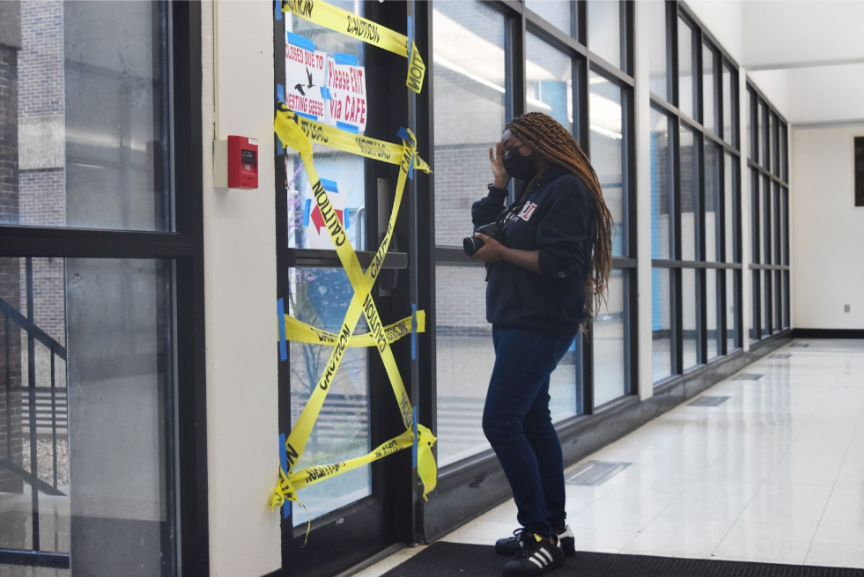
(351,516)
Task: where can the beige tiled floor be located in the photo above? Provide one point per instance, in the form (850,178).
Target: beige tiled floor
(775,474)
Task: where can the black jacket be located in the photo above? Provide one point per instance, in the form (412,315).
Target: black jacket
(558,219)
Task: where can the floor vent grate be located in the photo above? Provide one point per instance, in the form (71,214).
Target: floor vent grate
(709,401)
(800,345)
(748,377)
(595,473)
(781,356)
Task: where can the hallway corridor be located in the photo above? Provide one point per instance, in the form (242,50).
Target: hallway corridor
(774,473)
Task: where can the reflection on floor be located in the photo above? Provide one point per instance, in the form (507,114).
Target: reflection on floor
(774,474)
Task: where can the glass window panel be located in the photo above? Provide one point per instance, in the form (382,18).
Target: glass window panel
(732,327)
(772,143)
(785,240)
(565,384)
(690,306)
(465,359)
(765,296)
(766,233)
(709,90)
(607,152)
(320,297)
(49,315)
(751,124)
(604,30)
(729,198)
(550,82)
(609,332)
(777,309)
(728,120)
(787,306)
(559,13)
(470,80)
(711,293)
(689,194)
(661,186)
(784,158)
(685,68)
(661,322)
(713,154)
(655,12)
(121,410)
(103,355)
(760,133)
(757,301)
(92,145)
(764,145)
(305,224)
(777,220)
(754,216)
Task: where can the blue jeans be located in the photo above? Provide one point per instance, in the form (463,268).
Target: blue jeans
(518,425)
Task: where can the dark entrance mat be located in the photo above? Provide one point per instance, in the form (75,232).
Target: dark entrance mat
(456,559)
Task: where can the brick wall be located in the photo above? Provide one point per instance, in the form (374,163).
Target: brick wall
(42,178)
(10,363)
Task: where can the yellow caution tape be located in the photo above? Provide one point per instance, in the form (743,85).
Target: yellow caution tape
(291,133)
(311,475)
(300,332)
(329,16)
(345,141)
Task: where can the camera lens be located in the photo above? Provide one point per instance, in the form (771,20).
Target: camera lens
(471,244)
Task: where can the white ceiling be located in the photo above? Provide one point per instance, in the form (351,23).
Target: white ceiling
(807,56)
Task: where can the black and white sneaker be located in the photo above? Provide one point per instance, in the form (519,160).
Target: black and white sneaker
(536,556)
(567,542)
(509,546)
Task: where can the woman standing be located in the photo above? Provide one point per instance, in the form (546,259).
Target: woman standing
(548,267)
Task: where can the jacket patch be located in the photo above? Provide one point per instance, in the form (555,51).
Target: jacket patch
(527,211)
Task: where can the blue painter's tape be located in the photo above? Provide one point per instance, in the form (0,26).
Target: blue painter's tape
(347,127)
(283,460)
(345,59)
(307,116)
(301,41)
(347,218)
(410,37)
(413,331)
(307,212)
(283,347)
(411,169)
(403,134)
(416,441)
(277,10)
(330,185)
(280,92)
(325,93)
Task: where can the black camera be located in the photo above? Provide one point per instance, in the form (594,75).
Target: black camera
(471,244)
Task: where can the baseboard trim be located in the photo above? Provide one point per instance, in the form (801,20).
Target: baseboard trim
(829,333)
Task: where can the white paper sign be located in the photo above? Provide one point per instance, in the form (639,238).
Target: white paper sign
(346,83)
(304,77)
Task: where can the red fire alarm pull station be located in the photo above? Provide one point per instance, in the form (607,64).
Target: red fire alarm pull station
(242,162)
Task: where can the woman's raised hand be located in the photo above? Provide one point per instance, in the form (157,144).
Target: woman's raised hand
(496,156)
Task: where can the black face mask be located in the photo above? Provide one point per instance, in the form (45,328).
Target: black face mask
(518,166)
